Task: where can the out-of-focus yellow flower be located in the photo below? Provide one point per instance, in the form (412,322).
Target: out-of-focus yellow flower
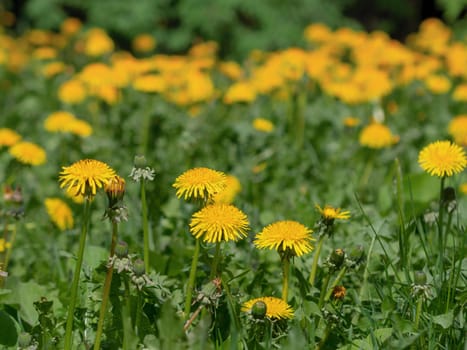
(70,26)
(458,129)
(263,125)
(149,83)
(231,69)
(228,194)
(97,43)
(203,49)
(438,84)
(53,68)
(44,53)
(317,33)
(351,122)
(377,136)
(59,212)
(240,92)
(8,137)
(143,43)
(72,92)
(28,153)
(460,93)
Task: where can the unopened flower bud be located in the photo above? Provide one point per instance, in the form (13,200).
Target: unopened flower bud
(419,278)
(259,309)
(338,292)
(24,340)
(138,267)
(139,161)
(337,258)
(115,189)
(121,249)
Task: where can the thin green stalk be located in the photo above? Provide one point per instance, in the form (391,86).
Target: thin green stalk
(440,261)
(191,279)
(126,318)
(75,283)
(324,288)
(314,265)
(285,281)
(418,312)
(144,209)
(106,290)
(366,272)
(335,283)
(215,261)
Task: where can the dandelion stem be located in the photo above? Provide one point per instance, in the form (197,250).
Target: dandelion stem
(191,279)
(215,261)
(324,288)
(441,232)
(74,286)
(285,281)
(335,282)
(314,265)
(418,312)
(106,290)
(144,208)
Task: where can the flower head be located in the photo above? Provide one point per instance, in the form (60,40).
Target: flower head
(285,236)
(8,137)
(228,194)
(331,213)
(200,183)
(219,222)
(442,158)
(59,212)
(28,153)
(338,292)
(86,176)
(263,125)
(276,308)
(458,129)
(377,136)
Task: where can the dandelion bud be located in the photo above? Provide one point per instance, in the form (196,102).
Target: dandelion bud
(24,340)
(121,249)
(338,292)
(259,309)
(138,267)
(337,258)
(139,161)
(115,189)
(420,278)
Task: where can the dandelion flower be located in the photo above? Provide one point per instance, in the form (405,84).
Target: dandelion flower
(228,194)
(143,43)
(72,92)
(80,128)
(219,222)
(200,183)
(263,125)
(338,292)
(286,235)
(377,136)
(28,153)
(58,121)
(331,213)
(276,308)
(86,176)
(8,137)
(71,193)
(442,158)
(458,129)
(59,212)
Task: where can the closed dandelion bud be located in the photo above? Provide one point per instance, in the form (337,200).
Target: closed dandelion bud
(121,249)
(259,309)
(338,292)
(337,258)
(138,267)
(140,161)
(115,190)
(24,340)
(419,278)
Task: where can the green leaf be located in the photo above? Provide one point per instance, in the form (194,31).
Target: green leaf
(9,333)
(444,320)
(381,334)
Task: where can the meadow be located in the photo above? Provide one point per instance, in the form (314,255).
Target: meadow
(307,198)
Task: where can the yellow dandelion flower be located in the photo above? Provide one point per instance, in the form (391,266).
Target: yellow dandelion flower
(263,125)
(442,158)
(285,235)
(8,137)
(351,122)
(59,212)
(458,129)
(219,222)
(53,69)
(58,121)
(4,245)
(143,43)
(150,83)
(438,84)
(85,176)
(460,93)
(72,92)
(240,92)
(71,193)
(28,153)
(377,136)
(463,188)
(98,43)
(331,213)
(70,26)
(228,194)
(276,308)
(199,183)
(80,127)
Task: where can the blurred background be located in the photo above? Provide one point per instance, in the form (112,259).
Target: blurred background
(237,26)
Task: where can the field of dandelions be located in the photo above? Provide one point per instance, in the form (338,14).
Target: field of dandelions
(308,198)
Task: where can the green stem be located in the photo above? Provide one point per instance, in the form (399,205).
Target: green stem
(285,281)
(440,261)
(126,317)
(191,279)
(144,207)
(418,312)
(314,265)
(75,283)
(324,288)
(106,290)
(215,261)
(335,283)
(367,264)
